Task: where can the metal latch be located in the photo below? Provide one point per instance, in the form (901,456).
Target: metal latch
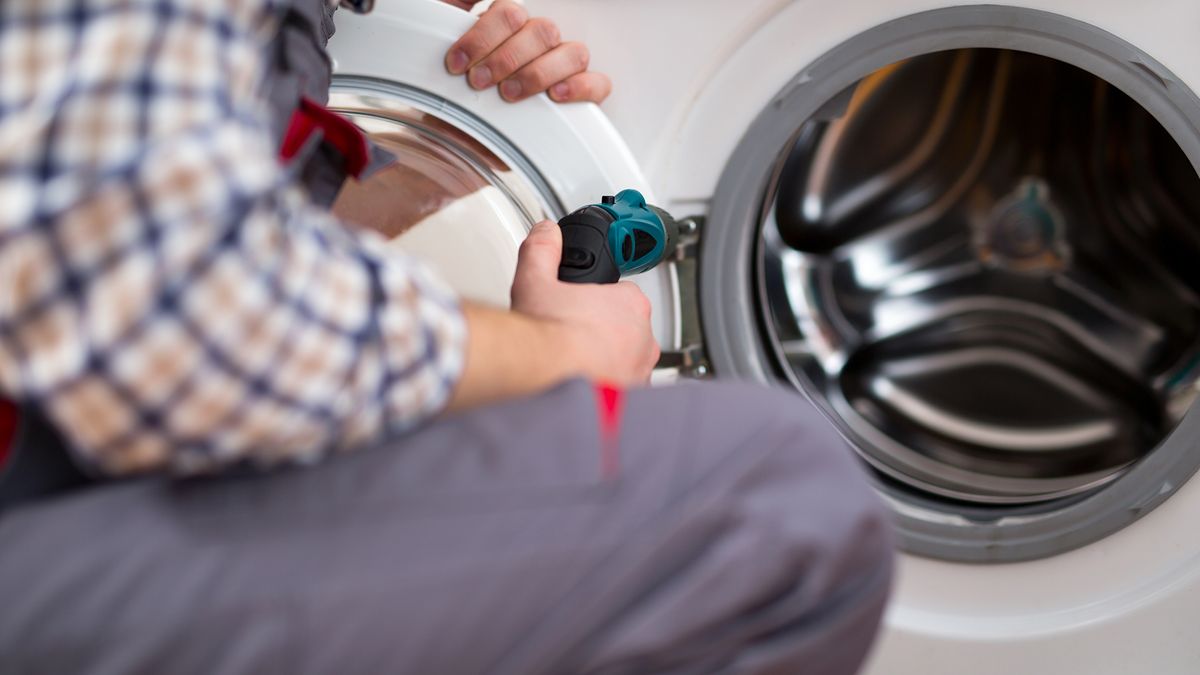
(690,359)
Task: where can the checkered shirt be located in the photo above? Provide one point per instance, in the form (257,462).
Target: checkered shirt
(167,294)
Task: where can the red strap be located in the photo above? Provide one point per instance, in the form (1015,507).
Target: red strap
(9,416)
(338,132)
(611,402)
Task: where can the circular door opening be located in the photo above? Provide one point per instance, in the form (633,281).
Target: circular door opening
(989,266)
(984,264)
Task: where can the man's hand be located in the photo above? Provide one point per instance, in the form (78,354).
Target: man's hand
(609,324)
(556,331)
(524,56)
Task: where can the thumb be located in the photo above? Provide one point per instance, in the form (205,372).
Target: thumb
(541,253)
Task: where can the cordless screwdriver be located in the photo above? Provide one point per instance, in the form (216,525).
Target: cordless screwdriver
(621,235)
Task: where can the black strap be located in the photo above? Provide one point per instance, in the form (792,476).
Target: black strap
(39,465)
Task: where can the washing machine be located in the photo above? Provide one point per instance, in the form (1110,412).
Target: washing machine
(969,233)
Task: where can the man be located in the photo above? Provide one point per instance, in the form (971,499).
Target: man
(176,304)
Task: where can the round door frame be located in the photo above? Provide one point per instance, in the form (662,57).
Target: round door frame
(730,274)
(575,148)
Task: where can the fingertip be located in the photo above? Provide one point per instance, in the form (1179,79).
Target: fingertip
(511,13)
(601,88)
(546,227)
(583,87)
(457,61)
(511,90)
(541,252)
(546,232)
(480,77)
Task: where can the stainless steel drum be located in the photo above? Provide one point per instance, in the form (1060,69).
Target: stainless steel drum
(990,267)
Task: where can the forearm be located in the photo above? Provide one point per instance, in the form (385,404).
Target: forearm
(509,355)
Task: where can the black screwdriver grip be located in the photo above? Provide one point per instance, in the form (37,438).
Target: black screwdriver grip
(586,256)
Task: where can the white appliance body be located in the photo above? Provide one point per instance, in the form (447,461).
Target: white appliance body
(691,78)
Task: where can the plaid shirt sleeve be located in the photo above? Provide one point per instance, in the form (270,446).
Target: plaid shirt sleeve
(166,294)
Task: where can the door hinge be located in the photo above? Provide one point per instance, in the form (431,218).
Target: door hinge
(690,359)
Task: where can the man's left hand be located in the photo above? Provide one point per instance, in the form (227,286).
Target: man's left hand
(524,57)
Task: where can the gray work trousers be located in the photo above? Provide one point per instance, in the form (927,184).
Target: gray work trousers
(726,529)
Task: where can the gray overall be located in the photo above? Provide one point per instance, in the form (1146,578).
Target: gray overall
(721,528)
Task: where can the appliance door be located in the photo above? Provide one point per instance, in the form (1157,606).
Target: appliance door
(473,173)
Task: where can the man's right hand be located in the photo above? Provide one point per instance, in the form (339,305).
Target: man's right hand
(555,331)
(608,325)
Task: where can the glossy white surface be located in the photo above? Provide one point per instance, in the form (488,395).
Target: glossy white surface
(461,222)
(691,75)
